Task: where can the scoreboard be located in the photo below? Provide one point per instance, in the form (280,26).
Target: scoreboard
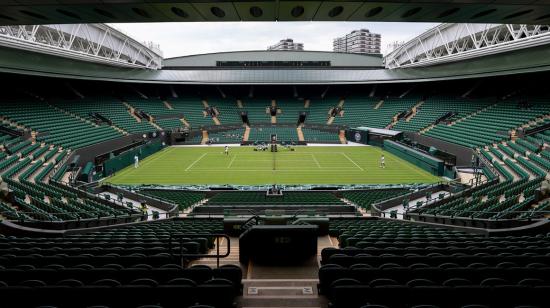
(358,136)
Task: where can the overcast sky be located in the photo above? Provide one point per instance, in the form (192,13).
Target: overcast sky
(186,38)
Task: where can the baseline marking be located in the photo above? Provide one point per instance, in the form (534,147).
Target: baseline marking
(231,163)
(323,169)
(316,161)
(143,163)
(284,160)
(356,165)
(196,161)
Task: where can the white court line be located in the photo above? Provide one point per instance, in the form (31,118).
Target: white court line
(284,160)
(316,161)
(232,160)
(353,161)
(151,159)
(143,163)
(296,153)
(196,161)
(323,169)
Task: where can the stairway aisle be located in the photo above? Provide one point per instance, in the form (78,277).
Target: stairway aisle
(285,286)
(275,293)
(293,286)
(204,139)
(233,257)
(300,133)
(246,133)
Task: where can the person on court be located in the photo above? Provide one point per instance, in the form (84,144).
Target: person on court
(136,161)
(382,162)
(226,150)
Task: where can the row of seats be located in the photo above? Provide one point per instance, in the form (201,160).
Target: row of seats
(350,295)
(522,170)
(229,136)
(434,108)
(357,228)
(125,266)
(484,127)
(366,198)
(260,198)
(318,111)
(228,111)
(316,135)
(261,133)
(193,111)
(217,293)
(35,197)
(171,123)
(82,274)
(57,127)
(286,134)
(289,110)
(477,122)
(6,138)
(152,106)
(184,199)
(371,112)
(110,108)
(423,264)
(257,111)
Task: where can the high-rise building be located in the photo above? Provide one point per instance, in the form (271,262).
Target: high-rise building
(358,41)
(393,46)
(287,44)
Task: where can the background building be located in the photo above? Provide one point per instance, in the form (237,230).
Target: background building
(287,44)
(358,41)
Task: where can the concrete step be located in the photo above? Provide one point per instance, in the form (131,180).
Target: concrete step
(213,263)
(155,125)
(300,134)
(414,111)
(281,293)
(204,137)
(246,133)
(131,111)
(182,120)
(168,106)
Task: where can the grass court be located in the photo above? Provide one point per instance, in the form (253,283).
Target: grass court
(244,166)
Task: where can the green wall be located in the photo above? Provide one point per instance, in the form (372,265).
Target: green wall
(431,164)
(125,159)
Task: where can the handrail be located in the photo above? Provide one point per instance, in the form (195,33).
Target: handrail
(256,217)
(182,255)
(143,216)
(300,211)
(94,197)
(486,162)
(406,195)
